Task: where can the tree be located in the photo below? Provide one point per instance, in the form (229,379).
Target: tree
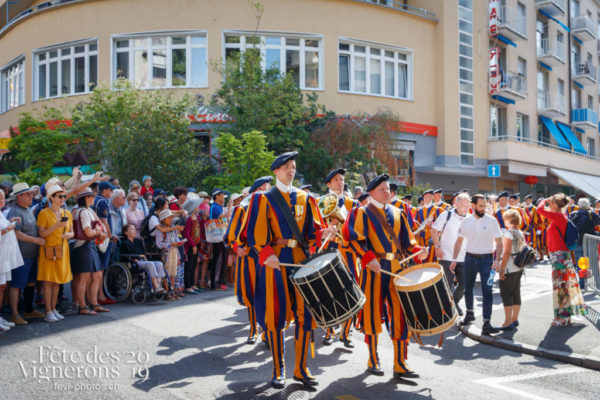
(40,145)
(141,132)
(243,160)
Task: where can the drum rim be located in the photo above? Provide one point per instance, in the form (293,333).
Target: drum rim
(308,259)
(422,285)
(438,329)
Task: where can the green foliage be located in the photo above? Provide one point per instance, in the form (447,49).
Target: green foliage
(141,132)
(38,146)
(416,191)
(243,160)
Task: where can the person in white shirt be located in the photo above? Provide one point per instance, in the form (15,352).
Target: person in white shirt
(480,231)
(444,233)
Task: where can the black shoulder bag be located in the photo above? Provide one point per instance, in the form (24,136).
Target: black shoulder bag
(526,257)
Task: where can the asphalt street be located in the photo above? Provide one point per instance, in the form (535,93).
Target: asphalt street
(195,349)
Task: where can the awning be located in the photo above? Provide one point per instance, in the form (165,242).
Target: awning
(584,182)
(506,40)
(560,140)
(519,168)
(566,130)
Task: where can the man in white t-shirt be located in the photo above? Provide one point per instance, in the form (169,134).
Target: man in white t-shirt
(479,231)
(444,233)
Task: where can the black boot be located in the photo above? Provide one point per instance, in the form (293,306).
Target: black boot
(488,329)
(469,317)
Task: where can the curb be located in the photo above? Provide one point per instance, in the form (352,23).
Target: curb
(579,360)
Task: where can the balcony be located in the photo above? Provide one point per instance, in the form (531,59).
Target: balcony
(584,74)
(584,117)
(551,52)
(511,24)
(513,86)
(552,7)
(551,106)
(583,27)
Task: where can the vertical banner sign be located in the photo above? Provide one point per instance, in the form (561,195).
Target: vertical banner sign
(494,70)
(493,18)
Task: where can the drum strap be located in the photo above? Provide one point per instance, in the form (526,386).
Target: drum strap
(287,214)
(386,226)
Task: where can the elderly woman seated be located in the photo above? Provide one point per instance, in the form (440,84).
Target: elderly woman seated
(132,249)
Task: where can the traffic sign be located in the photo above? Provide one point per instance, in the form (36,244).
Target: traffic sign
(493,171)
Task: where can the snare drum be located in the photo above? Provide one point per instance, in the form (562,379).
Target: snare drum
(428,305)
(328,289)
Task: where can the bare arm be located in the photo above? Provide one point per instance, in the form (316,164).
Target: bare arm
(23,237)
(457,247)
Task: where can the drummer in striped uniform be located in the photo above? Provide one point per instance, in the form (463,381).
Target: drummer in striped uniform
(439,201)
(335,184)
(571,207)
(513,202)
(402,204)
(245,268)
(270,234)
(426,216)
(378,251)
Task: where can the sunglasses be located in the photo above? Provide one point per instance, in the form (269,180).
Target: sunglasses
(134,200)
(60,196)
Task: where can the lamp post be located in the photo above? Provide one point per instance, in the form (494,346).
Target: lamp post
(9,2)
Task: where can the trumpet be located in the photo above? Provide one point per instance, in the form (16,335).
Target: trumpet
(328,205)
(423,224)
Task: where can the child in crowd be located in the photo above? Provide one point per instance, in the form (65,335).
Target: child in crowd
(147,182)
(167,239)
(133,248)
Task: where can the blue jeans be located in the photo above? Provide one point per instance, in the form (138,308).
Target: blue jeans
(578,252)
(483,267)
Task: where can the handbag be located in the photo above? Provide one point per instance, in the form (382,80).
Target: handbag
(78,231)
(54,253)
(525,257)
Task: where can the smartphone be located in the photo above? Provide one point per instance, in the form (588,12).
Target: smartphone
(64,219)
(15,223)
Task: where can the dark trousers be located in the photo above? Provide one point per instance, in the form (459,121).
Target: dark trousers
(483,267)
(456,279)
(188,269)
(219,252)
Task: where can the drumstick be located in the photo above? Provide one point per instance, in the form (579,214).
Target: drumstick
(411,257)
(324,243)
(296,265)
(395,275)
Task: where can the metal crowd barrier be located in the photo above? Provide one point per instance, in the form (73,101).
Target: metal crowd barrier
(591,250)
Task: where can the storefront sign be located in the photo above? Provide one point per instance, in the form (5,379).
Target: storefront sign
(213,118)
(493,18)
(4,143)
(494,70)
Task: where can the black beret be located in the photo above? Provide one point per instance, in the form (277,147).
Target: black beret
(513,196)
(346,187)
(420,199)
(377,181)
(538,201)
(303,187)
(455,194)
(430,191)
(465,191)
(529,196)
(436,191)
(596,201)
(393,187)
(363,196)
(333,173)
(518,194)
(502,194)
(407,197)
(283,158)
(259,182)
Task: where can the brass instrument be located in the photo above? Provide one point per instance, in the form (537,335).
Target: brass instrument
(423,224)
(328,205)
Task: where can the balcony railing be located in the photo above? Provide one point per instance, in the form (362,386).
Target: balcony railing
(510,19)
(585,25)
(557,103)
(584,116)
(585,73)
(400,6)
(552,7)
(513,82)
(552,48)
(541,144)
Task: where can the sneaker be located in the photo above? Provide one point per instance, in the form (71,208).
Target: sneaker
(50,317)
(6,323)
(18,320)
(4,327)
(220,287)
(57,315)
(469,317)
(34,314)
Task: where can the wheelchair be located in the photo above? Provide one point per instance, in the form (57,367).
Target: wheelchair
(124,279)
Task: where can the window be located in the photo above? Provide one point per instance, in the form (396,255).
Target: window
(591,147)
(12,85)
(65,70)
(543,134)
(299,56)
(575,98)
(465,79)
(176,59)
(590,102)
(574,8)
(497,122)
(561,87)
(522,127)
(522,67)
(374,70)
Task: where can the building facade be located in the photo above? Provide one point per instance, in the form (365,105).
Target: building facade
(475,82)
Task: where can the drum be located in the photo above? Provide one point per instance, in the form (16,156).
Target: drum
(328,289)
(426,299)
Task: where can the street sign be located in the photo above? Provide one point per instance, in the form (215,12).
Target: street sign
(493,171)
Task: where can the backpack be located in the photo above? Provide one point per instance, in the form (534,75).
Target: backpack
(584,225)
(571,235)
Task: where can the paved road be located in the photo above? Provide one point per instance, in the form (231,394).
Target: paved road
(195,349)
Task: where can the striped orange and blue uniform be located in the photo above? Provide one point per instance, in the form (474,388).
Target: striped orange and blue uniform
(423,237)
(382,299)
(533,223)
(499,214)
(245,266)
(408,211)
(276,300)
(571,209)
(348,252)
(443,206)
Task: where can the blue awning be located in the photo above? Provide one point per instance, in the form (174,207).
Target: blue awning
(554,19)
(503,99)
(560,139)
(544,65)
(579,130)
(577,39)
(579,85)
(566,130)
(506,40)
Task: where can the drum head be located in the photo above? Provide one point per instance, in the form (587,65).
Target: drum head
(418,274)
(317,262)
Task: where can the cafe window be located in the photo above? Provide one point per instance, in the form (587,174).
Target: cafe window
(12,85)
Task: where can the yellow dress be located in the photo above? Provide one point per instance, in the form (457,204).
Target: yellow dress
(58,271)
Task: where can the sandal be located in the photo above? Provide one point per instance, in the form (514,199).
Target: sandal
(559,322)
(99,308)
(85,310)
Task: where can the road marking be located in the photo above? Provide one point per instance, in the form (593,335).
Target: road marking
(496,383)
